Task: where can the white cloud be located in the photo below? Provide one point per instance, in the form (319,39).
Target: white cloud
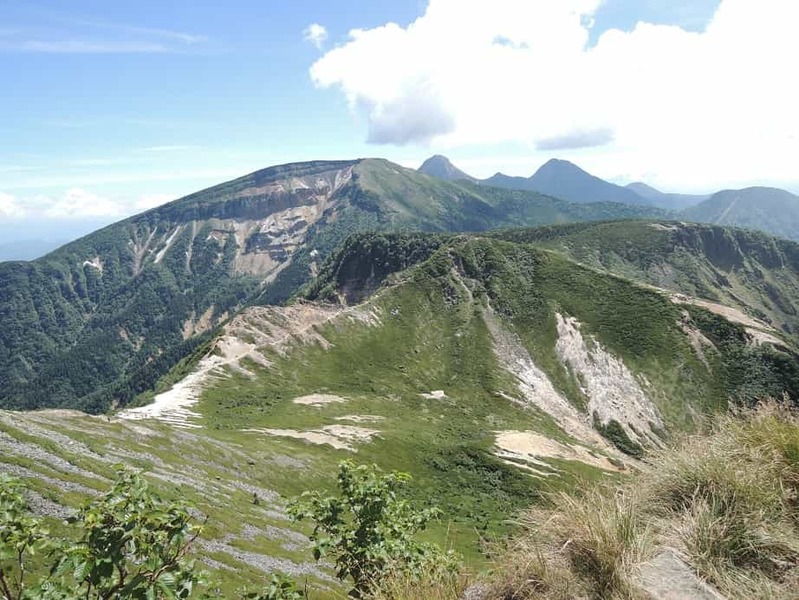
(76,36)
(81,46)
(9,207)
(78,203)
(316,34)
(682,108)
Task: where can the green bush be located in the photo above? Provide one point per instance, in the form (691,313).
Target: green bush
(369,529)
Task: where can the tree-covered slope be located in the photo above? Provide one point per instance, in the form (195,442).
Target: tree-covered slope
(99,320)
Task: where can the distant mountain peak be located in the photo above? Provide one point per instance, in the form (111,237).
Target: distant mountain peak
(560,161)
(643,189)
(441,167)
(559,165)
(563,179)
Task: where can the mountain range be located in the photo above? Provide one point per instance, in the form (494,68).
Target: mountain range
(562,179)
(771,210)
(497,344)
(98,321)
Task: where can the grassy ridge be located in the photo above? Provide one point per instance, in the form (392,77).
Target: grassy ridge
(431,336)
(746,269)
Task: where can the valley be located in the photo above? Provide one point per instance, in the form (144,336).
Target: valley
(495,368)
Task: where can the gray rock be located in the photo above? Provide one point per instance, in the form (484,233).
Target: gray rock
(668,577)
(476,591)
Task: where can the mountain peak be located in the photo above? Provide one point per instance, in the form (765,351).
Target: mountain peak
(559,167)
(441,167)
(644,190)
(564,179)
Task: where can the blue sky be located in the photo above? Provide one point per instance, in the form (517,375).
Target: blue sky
(112,107)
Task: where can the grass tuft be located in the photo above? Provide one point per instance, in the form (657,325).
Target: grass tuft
(727,499)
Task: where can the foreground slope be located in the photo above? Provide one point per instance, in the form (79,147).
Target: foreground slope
(99,320)
(714,517)
(493,371)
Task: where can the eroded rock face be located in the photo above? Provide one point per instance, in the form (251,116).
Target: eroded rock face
(535,386)
(612,391)
(248,336)
(268,223)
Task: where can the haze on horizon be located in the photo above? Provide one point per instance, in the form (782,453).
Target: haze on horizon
(118,108)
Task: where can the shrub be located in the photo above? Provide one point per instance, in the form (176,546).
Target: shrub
(130,544)
(369,529)
(21,537)
(279,587)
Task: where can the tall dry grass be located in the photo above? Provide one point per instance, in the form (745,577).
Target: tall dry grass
(726,498)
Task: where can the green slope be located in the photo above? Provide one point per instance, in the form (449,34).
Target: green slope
(98,321)
(427,366)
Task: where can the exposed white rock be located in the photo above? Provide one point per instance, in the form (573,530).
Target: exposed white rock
(318,399)
(174,405)
(529,447)
(612,390)
(731,314)
(252,334)
(536,388)
(95,263)
(167,244)
(341,437)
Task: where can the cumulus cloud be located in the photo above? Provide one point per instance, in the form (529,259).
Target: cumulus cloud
(522,71)
(76,203)
(9,207)
(316,34)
